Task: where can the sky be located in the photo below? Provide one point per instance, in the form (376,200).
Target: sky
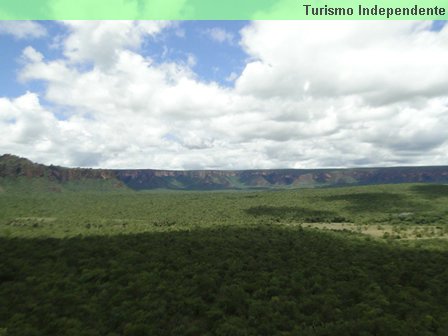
(225,94)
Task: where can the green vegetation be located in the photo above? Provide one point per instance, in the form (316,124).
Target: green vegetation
(78,211)
(119,262)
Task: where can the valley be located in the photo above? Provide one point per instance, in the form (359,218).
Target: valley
(90,256)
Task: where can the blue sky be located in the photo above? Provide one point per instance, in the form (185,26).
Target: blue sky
(10,58)
(225,94)
(215,60)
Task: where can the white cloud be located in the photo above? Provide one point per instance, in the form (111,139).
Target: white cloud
(24,123)
(191,60)
(377,61)
(32,55)
(22,29)
(100,41)
(313,94)
(231,77)
(220,35)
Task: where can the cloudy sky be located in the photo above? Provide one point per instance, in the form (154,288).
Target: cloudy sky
(225,94)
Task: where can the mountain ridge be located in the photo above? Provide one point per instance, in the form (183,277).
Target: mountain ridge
(13,167)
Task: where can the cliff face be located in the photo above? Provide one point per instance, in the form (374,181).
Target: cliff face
(13,167)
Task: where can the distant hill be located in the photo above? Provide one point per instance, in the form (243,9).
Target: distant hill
(18,173)
(16,170)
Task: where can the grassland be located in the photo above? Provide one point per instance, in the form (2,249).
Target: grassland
(342,261)
(390,211)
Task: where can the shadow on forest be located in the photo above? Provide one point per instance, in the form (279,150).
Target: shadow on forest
(221,281)
(431,191)
(377,202)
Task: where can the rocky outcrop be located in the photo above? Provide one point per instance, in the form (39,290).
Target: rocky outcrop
(140,179)
(14,166)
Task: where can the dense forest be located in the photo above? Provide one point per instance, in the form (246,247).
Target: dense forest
(225,263)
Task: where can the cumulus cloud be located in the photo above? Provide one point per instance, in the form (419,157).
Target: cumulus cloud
(312,94)
(22,29)
(220,35)
(377,61)
(100,41)
(25,124)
